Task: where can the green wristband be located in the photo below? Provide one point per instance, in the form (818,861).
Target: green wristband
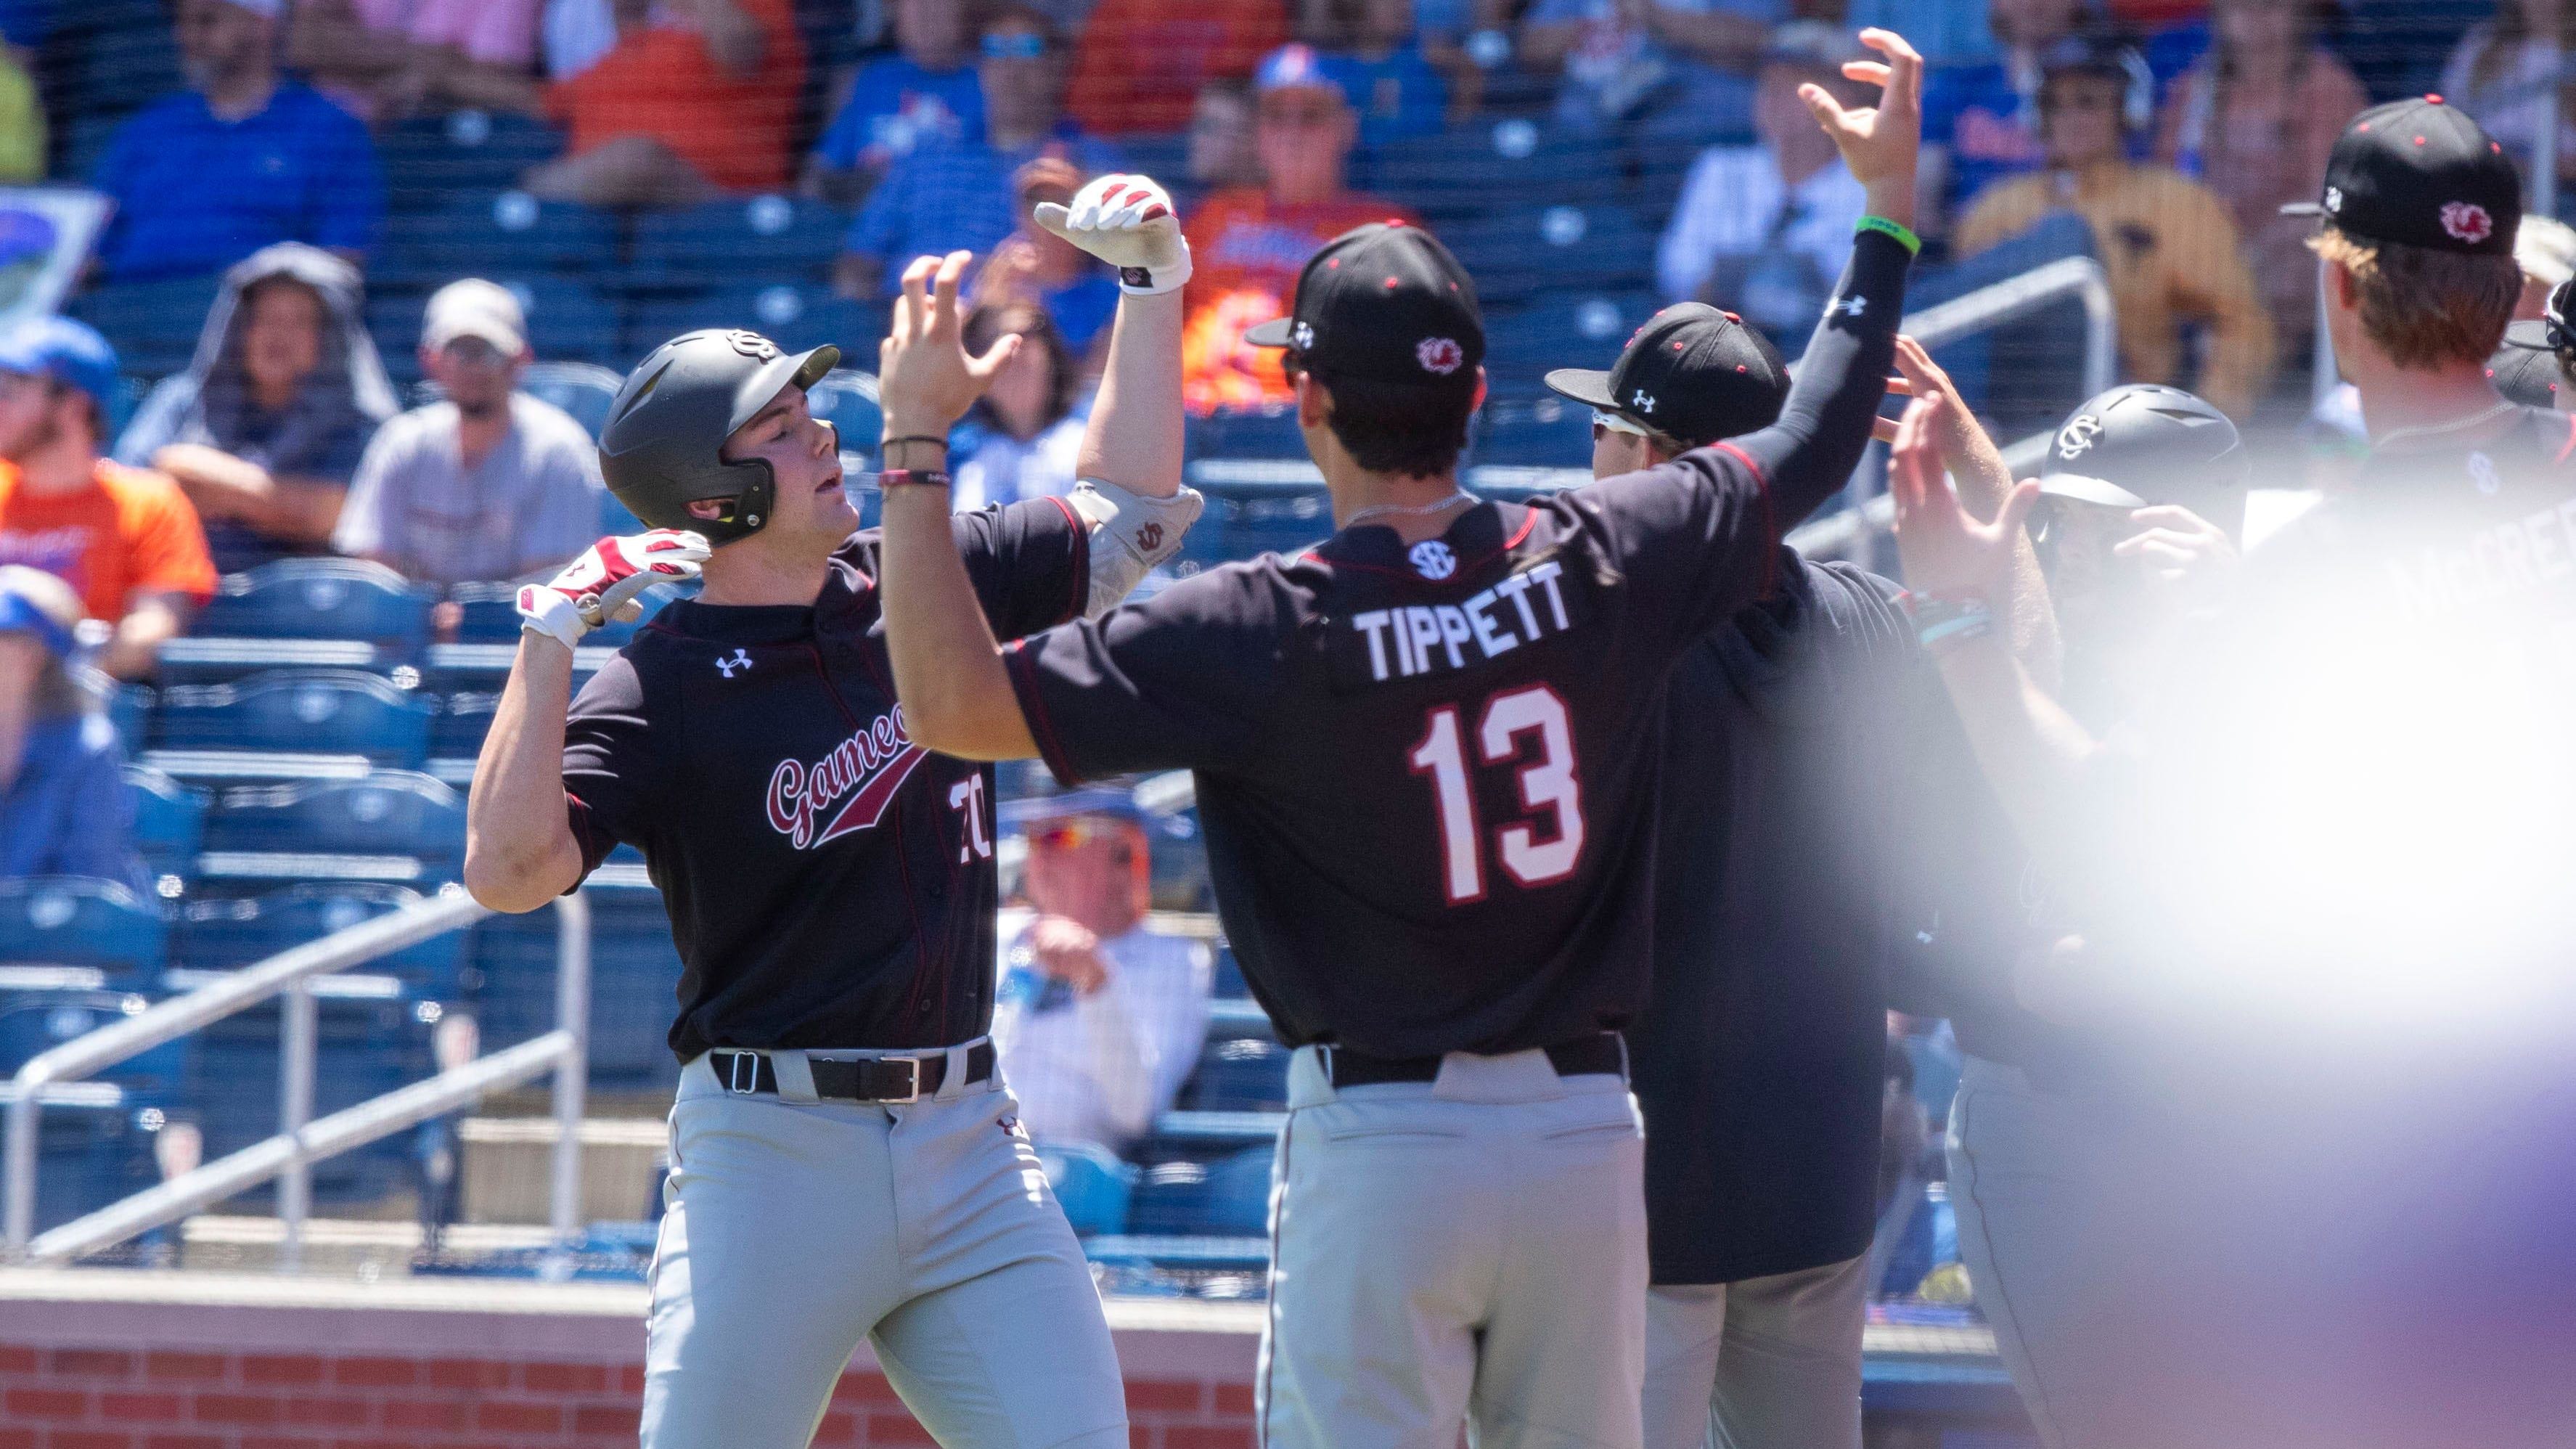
(1904,235)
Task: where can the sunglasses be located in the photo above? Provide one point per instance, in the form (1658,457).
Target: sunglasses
(1613,423)
(1075,834)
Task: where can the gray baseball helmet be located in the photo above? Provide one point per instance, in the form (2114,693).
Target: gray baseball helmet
(671,417)
(2142,444)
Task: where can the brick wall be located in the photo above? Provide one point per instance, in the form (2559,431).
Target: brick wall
(86,1398)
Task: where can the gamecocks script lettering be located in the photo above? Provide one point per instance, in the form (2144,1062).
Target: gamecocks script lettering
(860,777)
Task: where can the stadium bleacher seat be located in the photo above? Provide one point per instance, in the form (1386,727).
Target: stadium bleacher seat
(129,708)
(1243,519)
(1239,1074)
(487,639)
(795,315)
(847,399)
(169,820)
(1471,170)
(36,1019)
(1091,1183)
(569,320)
(1539,432)
(364,1046)
(153,323)
(94,1146)
(583,389)
(1228,1196)
(1266,432)
(225,935)
(290,724)
(119,56)
(490,233)
(327,613)
(1229,983)
(72,921)
(456,736)
(429,158)
(1561,329)
(777,237)
(392,826)
(2026,374)
(1516,255)
(634,982)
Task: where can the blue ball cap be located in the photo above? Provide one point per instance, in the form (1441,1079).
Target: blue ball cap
(68,352)
(1294,67)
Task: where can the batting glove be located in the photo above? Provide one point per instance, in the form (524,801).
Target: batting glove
(1130,223)
(601,585)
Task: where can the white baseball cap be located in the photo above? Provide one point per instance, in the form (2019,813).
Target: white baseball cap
(475,308)
(2545,248)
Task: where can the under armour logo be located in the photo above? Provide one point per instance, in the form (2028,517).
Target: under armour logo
(741,660)
(1850,306)
(1303,335)
(1643,401)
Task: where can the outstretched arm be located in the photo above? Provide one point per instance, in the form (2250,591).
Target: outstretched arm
(1984,480)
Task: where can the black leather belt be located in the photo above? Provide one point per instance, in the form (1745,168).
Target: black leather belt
(866,1079)
(1602,1051)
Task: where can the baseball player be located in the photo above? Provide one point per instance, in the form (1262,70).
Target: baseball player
(2321,887)
(845,1161)
(1786,882)
(1426,753)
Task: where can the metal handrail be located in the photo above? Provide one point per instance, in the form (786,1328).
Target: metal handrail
(299,1142)
(2014,297)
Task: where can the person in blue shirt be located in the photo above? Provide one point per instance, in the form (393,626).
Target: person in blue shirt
(1390,80)
(927,94)
(244,157)
(959,195)
(64,809)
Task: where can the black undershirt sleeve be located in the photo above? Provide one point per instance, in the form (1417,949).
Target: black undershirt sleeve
(1809,454)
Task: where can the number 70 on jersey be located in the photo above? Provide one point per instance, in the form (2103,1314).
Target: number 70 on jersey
(1532,853)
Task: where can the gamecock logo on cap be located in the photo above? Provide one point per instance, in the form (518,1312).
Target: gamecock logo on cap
(2467,221)
(1442,355)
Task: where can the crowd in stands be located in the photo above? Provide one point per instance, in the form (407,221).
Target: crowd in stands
(2173,129)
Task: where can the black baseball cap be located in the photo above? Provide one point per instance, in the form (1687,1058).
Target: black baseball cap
(1384,304)
(1692,372)
(2421,174)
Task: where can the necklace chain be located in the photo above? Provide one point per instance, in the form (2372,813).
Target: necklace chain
(1409,510)
(2428,430)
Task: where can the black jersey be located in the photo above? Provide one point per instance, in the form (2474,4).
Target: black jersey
(830,883)
(1428,774)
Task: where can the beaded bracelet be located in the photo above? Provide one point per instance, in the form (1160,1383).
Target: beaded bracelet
(1903,234)
(1944,620)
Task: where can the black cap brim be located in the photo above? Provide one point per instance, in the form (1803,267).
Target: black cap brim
(1273,333)
(1586,385)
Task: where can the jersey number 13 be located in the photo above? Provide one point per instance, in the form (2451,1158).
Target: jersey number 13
(1548,783)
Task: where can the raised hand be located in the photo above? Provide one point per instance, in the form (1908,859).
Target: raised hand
(1130,223)
(1947,551)
(2178,548)
(1881,143)
(925,380)
(601,585)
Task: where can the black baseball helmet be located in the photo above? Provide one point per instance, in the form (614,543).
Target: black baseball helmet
(2141,445)
(658,452)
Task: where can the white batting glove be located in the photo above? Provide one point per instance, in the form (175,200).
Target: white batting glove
(601,585)
(1130,223)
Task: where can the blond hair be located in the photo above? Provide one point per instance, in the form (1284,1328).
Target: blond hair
(2422,307)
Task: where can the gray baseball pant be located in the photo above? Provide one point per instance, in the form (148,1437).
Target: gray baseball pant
(1762,1363)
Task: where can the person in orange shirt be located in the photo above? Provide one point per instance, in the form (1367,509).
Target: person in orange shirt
(1140,63)
(126,538)
(688,104)
(1249,243)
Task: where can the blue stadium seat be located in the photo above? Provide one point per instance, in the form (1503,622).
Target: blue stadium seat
(391,826)
(456,737)
(780,237)
(364,1048)
(129,708)
(1244,519)
(290,724)
(635,978)
(568,319)
(1475,169)
(2025,375)
(74,921)
(154,324)
(1561,329)
(1226,1197)
(224,935)
(1239,1074)
(428,159)
(1541,432)
(847,399)
(491,233)
(94,1146)
(795,315)
(1229,975)
(36,1020)
(583,389)
(1091,1183)
(1269,432)
(169,820)
(335,613)
(1517,255)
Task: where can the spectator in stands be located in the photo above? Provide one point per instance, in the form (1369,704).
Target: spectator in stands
(1764,229)
(488,482)
(1248,245)
(1139,64)
(696,98)
(125,539)
(2500,73)
(63,805)
(1098,1017)
(383,59)
(1693,59)
(1035,265)
(241,159)
(1381,63)
(1222,151)
(2253,122)
(959,195)
(1981,121)
(927,93)
(267,424)
(2167,242)
(1023,438)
